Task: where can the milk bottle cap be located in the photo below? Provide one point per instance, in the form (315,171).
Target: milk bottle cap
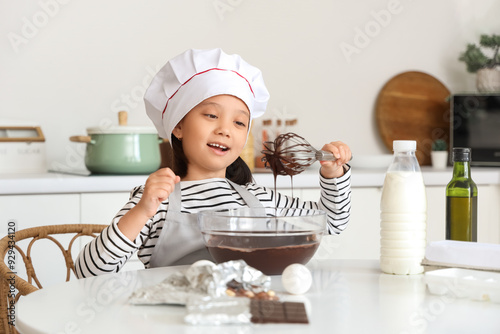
(404,145)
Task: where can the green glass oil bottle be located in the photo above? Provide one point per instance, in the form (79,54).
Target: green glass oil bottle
(461,199)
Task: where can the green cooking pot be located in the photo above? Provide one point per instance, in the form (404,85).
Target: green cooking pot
(121,149)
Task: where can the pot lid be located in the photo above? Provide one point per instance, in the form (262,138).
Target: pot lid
(122,129)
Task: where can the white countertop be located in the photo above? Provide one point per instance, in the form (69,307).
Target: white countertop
(55,183)
(347,296)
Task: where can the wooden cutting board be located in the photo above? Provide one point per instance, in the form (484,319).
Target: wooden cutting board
(413,106)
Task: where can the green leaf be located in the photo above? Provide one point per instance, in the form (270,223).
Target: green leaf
(490,41)
(474,58)
(439,145)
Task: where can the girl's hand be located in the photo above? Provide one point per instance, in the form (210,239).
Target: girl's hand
(332,169)
(158,187)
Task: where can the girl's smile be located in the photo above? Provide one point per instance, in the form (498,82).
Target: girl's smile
(218,148)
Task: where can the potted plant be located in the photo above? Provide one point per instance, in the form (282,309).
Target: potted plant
(439,154)
(484,60)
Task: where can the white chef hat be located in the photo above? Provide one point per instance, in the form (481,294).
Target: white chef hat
(197,75)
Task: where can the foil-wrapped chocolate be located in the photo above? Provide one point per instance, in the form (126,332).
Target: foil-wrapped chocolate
(175,289)
(199,281)
(218,311)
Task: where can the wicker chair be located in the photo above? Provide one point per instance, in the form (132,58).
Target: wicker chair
(10,281)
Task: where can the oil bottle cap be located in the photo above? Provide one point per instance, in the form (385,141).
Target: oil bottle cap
(461,154)
(404,145)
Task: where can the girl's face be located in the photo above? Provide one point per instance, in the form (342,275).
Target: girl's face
(213,135)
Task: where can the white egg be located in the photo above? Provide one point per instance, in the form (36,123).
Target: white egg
(296,279)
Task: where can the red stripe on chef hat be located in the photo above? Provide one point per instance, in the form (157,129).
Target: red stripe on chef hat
(196,74)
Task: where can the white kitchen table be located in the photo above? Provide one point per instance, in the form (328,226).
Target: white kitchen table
(347,296)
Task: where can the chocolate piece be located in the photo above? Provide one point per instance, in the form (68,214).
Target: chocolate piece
(297,312)
(234,284)
(271,311)
(237,289)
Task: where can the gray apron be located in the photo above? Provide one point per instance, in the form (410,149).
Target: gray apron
(180,241)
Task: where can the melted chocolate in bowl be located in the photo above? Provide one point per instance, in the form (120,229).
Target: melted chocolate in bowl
(270,254)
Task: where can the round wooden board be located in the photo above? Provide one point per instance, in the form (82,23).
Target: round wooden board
(413,106)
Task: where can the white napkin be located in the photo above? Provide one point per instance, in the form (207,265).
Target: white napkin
(463,254)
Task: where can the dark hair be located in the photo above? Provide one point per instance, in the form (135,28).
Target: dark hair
(238,171)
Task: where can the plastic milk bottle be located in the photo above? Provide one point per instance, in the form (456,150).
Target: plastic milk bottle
(403,213)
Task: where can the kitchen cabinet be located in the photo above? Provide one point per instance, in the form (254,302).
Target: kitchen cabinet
(101,208)
(488,213)
(45,199)
(36,210)
(361,239)
(55,209)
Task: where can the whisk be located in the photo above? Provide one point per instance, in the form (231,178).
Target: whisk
(291,154)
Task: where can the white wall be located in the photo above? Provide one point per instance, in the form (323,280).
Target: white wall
(71,64)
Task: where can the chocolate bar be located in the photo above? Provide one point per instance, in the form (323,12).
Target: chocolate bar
(272,311)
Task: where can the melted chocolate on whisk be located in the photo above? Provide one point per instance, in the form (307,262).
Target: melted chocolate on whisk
(278,156)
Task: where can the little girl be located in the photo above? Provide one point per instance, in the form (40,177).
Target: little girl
(203,101)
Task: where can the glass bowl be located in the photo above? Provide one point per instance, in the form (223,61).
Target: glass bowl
(268,239)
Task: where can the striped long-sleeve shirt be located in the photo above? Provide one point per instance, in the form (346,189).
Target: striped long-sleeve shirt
(110,250)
